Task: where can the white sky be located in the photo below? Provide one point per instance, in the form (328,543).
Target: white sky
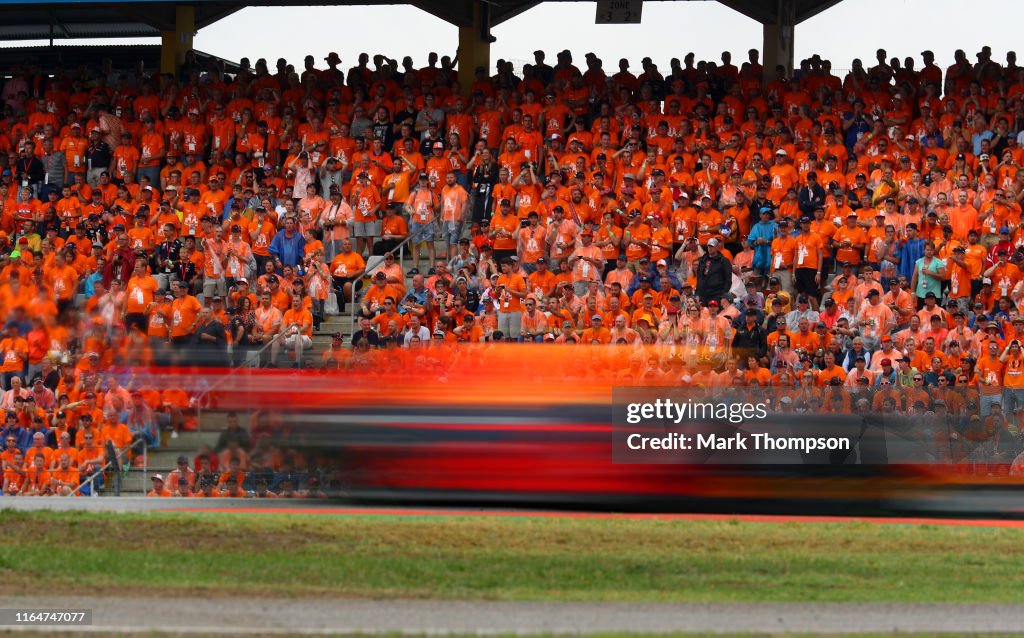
(669,29)
(853,28)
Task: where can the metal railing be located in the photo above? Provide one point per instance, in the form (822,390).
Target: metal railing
(227,377)
(259,353)
(114,462)
(401,262)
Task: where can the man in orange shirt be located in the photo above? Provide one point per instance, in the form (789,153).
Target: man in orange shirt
(140,290)
(347,270)
(808,262)
(65,478)
(831,371)
(1003,274)
(74,147)
(596,333)
(297,332)
(503,229)
(14,350)
(511,290)
(1013,381)
(989,377)
(454,211)
(184,315)
(783,251)
(62,278)
(587,262)
(37,478)
(159,489)
(365,201)
(422,206)
(875,320)
(14,474)
(783,177)
(153,151)
(125,158)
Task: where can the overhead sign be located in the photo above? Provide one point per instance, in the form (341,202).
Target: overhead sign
(619,11)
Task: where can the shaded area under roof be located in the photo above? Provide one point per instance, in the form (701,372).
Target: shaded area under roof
(71,56)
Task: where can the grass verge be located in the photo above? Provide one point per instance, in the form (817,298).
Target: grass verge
(173,554)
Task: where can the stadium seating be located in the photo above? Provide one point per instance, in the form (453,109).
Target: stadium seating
(813,231)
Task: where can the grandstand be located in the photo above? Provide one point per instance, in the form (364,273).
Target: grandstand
(811,231)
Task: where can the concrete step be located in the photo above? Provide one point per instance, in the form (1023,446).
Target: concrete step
(191,441)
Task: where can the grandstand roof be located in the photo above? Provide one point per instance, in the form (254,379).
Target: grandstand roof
(64,20)
(99,20)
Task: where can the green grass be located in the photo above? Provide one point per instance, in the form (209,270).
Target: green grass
(505,559)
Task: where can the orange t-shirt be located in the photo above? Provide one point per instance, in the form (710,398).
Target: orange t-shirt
(184,312)
(507,301)
(140,294)
(990,373)
(346,265)
(1013,375)
(807,247)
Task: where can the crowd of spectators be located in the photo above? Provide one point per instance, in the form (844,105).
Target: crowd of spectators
(809,230)
(246,463)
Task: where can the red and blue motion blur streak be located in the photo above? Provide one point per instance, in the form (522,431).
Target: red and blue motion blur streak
(532,426)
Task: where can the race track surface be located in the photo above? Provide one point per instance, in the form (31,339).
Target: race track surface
(311,617)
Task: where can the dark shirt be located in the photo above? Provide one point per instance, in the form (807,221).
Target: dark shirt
(99,154)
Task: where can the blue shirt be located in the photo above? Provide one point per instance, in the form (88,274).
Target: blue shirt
(763,254)
(23,436)
(288,249)
(90,283)
(977,138)
(910,252)
(418,298)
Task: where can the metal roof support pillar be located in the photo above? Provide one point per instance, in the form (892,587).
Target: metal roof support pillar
(474,45)
(778,43)
(176,44)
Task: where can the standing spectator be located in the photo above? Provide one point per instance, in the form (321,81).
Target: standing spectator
(288,245)
(210,345)
(454,211)
(484,177)
(511,289)
(29,170)
(760,239)
(55,168)
(714,273)
(98,157)
(811,195)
